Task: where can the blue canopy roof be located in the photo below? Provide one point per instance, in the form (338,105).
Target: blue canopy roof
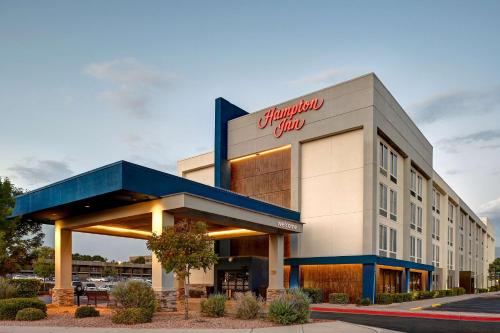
(124,183)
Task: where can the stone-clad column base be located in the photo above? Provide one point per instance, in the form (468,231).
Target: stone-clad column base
(273,294)
(62,297)
(167,299)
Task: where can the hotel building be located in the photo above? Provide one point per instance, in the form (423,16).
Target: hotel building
(334,189)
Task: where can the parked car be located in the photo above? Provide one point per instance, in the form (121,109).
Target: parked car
(106,287)
(89,286)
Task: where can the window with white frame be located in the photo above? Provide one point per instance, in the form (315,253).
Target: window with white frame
(393,197)
(435,255)
(450,259)
(419,219)
(436,226)
(451,212)
(419,186)
(450,235)
(461,242)
(438,202)
(383,156)
(394,166)
(413,248)
(462,221)
(413,181)
(433,199)
(461,262)
(382,239)
(413,215)
(419,250)
(393,243)
(382,200)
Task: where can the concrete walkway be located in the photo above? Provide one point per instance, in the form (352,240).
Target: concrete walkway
(326,327)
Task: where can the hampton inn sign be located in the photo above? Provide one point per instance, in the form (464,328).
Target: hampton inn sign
(286,116)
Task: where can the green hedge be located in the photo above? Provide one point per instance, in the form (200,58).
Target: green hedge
(30,314)
(131,316)
(9,307)
(494,288)
(458,290)
(315,294)
(386,298)
(482,290)
(214,305)
(338,298)
(363,301)
(26,287)
(86,311)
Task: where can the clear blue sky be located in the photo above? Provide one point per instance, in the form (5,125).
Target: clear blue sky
(87,83)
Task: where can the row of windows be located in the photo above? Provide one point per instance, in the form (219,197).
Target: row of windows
(384,161)
(393,200)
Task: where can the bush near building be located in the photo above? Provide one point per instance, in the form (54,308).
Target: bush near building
(214,305)
(482,290)
(363,301)
(86,311)
(135,294)
(248,306)
(30,314)
(494,288)
(9,307)
(27,287)
(7,290)
(290,308)
(132,316)
(338,298)
(315,294)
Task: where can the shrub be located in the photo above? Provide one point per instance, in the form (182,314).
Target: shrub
(135,294)
(338,298)
(248,306)
(30,314)
(384,298)
(9,307)
(214,305)
(290,308)
(27,287)
(7,290)
(482,290)
(401,297)
(494,288)
(363,301)
(439,293)
(131,316)
(86,311)
(315,294)
(424,294)
(459,290)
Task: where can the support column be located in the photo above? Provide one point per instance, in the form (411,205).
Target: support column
(294,276)
(429,280)
(163,282)
(369,281)
(62,293)
(406,281)
(276,257)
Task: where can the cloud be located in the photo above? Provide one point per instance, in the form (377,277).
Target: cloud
(135,84)
(450,145)
(491,207)
(454,172)
(324,76)
(35,172)
(457,104)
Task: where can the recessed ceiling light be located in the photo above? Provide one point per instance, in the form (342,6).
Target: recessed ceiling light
(87,206)
(54,214)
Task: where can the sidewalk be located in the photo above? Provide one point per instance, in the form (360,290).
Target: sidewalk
(326,327)
(414,309)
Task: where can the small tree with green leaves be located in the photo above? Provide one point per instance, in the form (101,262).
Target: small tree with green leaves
(44,263)
(183,248)
(109,271)
(494,271)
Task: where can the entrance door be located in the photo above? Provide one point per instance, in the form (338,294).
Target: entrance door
(231,282)
(415,281)
(391,281)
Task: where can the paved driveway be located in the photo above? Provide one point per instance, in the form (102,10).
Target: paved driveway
(486,304)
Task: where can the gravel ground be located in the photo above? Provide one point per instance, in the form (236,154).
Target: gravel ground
(64,316)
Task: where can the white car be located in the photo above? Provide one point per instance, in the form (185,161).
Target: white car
(89,286)
(106,287)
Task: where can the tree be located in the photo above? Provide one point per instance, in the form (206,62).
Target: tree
(86,257)
(182,248)
(109,271)
(18,237)
(44,264)
(494,271)
(139,260)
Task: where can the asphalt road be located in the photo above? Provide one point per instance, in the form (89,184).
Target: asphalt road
(488,304)
(412,325)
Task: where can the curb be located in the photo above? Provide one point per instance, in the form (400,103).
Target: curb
(409,314)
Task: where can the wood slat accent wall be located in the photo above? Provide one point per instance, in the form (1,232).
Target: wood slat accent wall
(286,276)
(264,177)
(334,279)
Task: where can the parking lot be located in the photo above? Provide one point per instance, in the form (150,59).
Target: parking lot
(486,304)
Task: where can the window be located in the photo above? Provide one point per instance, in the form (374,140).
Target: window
(394,204)
(413,251)
(461,242)
(451,212)
(450,235)
(383,200)
(419,219)
(382,239)
(461,262)
(436,226)
(394,166)
(450,259)
(438,202)
(383,156)
(394,243)
(435,255)
(413,182)
(462,219)
(419,186)
(413,215)
(419,250)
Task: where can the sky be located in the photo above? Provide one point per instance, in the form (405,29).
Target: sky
(84,84)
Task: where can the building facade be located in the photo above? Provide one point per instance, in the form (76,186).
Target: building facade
(361,174)
(334,189)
